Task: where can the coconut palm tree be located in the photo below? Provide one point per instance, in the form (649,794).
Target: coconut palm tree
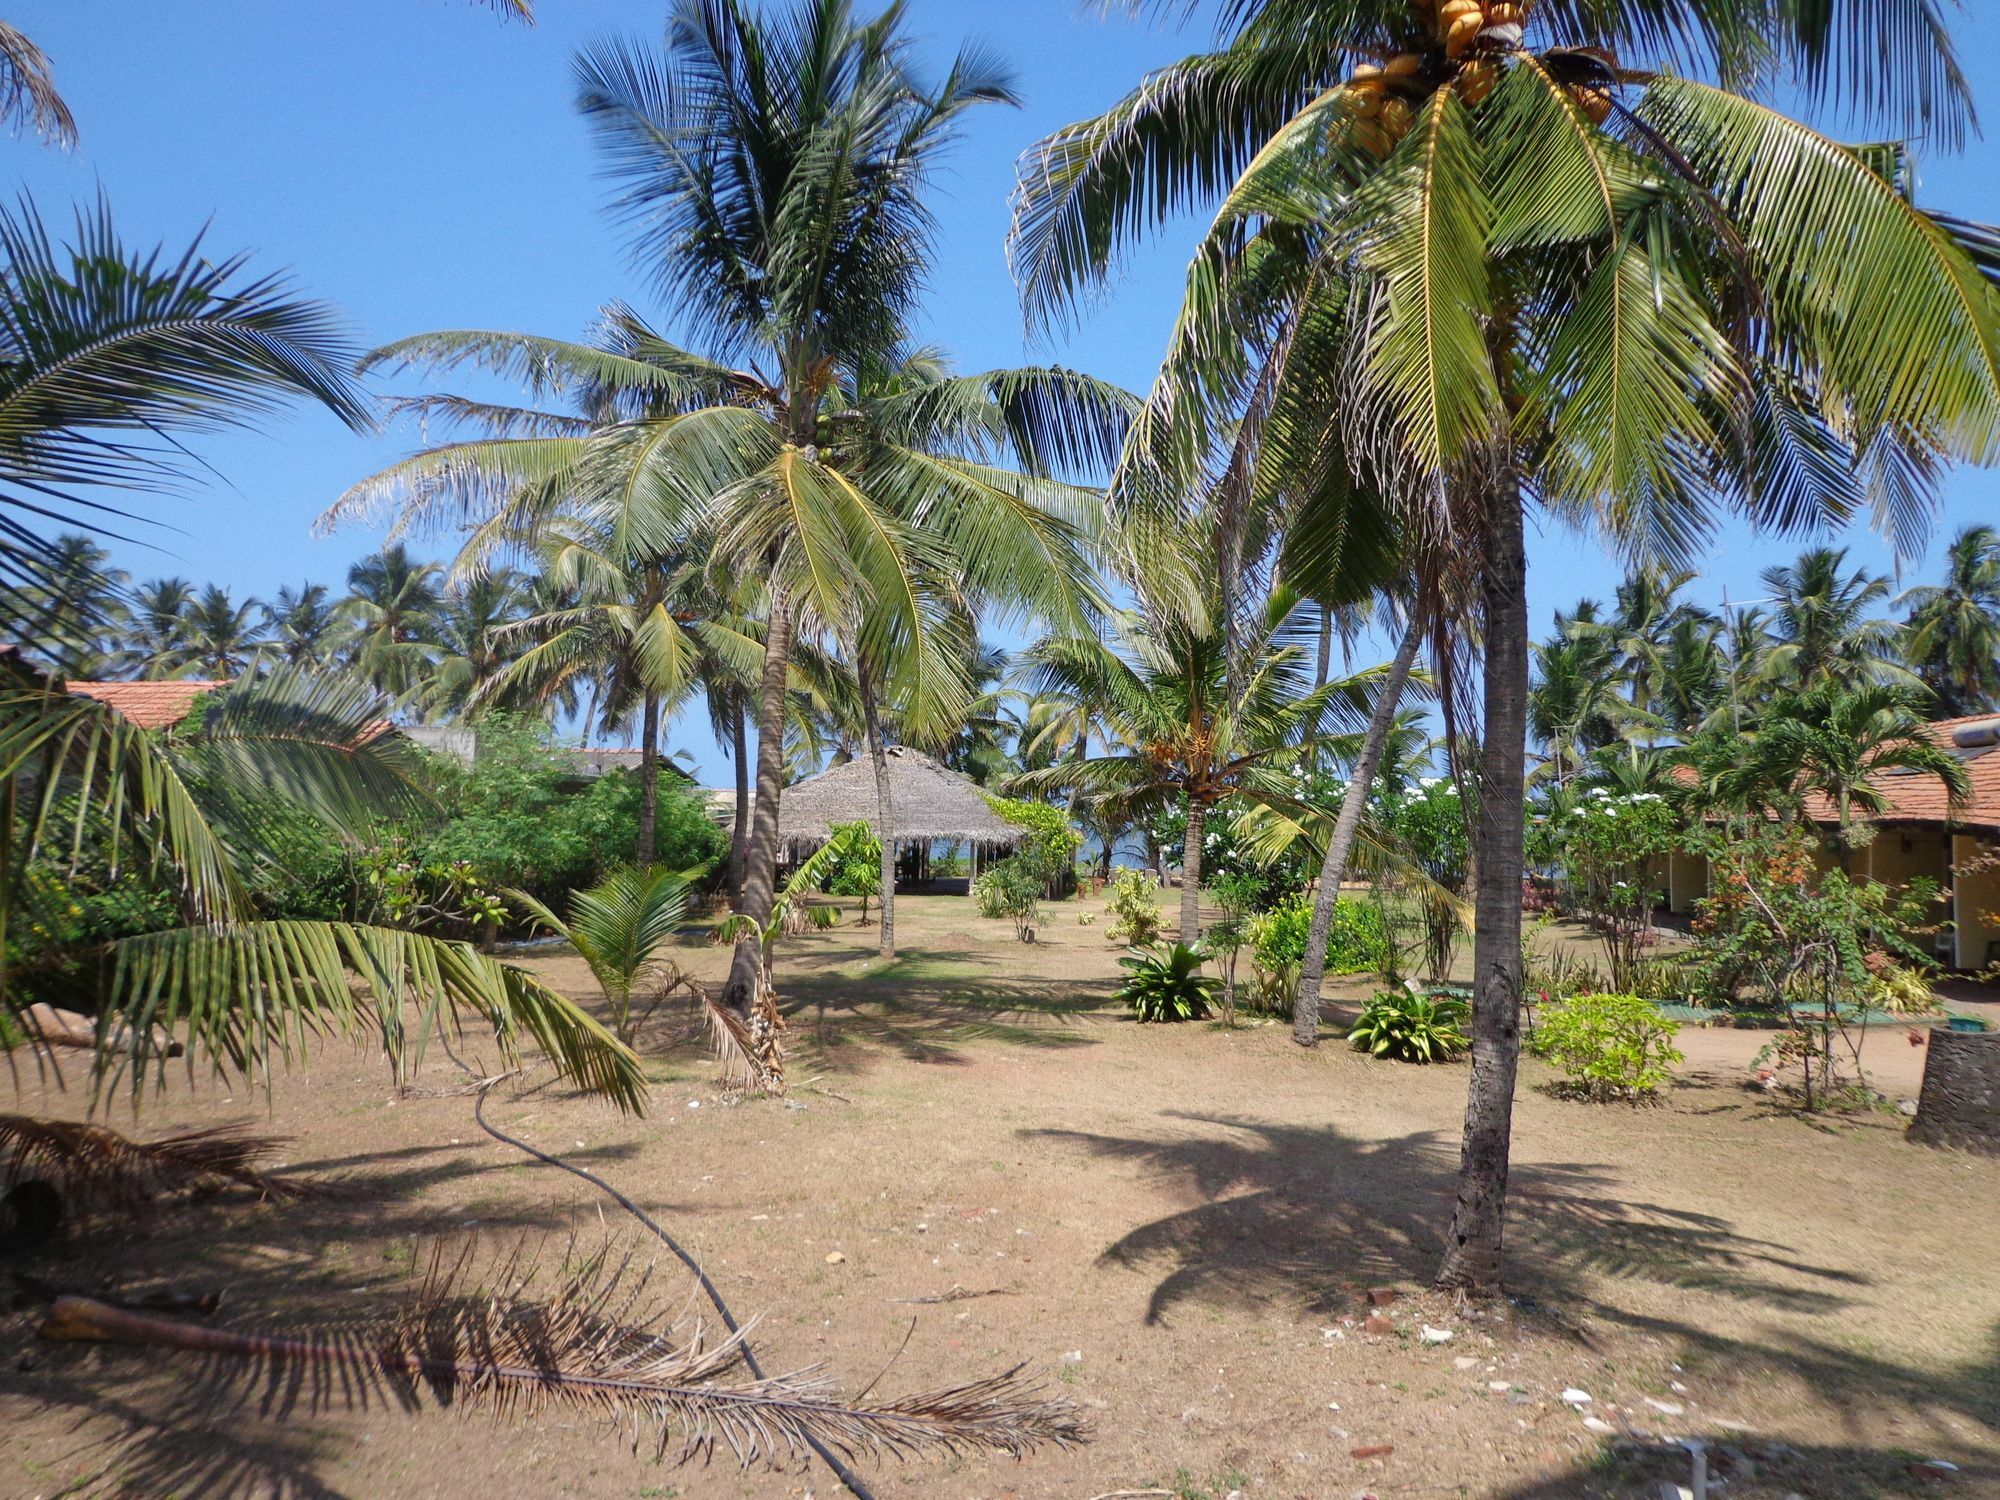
(1836,741)
(1643,616)
(391,615)
(474,644)
(156,641)
(1826,633)
(1952,637)
(1574,706)
(77,609)
(303,625)
(223,637)
(1181,740)
(1546,258)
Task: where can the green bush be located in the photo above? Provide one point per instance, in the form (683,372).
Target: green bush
(1608,1046)
(1419,1028)
(1013,888)
(1054,844)
(1134,904)
(1167,985)
(1355,944)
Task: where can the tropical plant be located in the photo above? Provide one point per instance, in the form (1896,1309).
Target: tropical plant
(302,626)
(1621,269)
(109,356)
(859,869)
(1167,984)
(1195,741)
(156,638)
(619,927)
(391,616)
(222,635)
(1608,1046)
(1410,1026)
(241,990)
(1825,634)
(1134,905)
(1952,637)
(1608,844)
(1013,888)
(78,609)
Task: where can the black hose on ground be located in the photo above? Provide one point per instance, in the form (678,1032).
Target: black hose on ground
(847,1476)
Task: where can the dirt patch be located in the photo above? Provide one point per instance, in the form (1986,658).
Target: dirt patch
(1181,1224)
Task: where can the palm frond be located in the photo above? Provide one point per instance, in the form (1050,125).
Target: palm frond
(479,1339)
(28,90)
(96,1168)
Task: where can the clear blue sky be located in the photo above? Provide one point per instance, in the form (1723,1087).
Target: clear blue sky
(417,163)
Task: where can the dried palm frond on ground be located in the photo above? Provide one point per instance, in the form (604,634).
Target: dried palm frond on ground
(99,1169)
(488,1344)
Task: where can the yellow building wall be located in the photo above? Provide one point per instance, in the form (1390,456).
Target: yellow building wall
(1975,898)
(1689,882)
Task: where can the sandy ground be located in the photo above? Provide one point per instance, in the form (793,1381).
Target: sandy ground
(1172,1226)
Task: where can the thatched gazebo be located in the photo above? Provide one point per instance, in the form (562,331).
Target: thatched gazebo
(930,804)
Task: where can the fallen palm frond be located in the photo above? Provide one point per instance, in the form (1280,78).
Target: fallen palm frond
(591,1346)
(98,1168)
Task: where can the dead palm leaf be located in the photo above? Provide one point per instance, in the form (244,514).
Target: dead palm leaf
(97,1168)
(486,1344)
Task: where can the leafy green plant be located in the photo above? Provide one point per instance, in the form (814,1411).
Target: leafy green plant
(1356,943)
(1167,985)
(1134,904)
(1608,1046)
(1412,1027)
(1054,843)
(619,927)
(1273,992)
(1013,889)
(857,870)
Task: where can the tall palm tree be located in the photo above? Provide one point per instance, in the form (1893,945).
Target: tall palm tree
(1826,632)
(303,625)
(222,635)
(474,644)
(391,616)
(78,608)
(1544,260)
(156,640)
(1643,616)
(1574,706)
(1182,740)
(1952,637)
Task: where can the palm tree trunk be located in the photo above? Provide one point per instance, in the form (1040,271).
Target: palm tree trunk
(1305,1009)
(649,781)
(885,811)
(1325,664)
(1473,1246)
(739,831)
(1197,819)
(760,855)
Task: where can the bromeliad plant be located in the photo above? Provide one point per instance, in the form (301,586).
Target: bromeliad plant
(1168,984)
(1411,1026)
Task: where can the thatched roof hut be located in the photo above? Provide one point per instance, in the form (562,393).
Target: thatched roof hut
(929,803)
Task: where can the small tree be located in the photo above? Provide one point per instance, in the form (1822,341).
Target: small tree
(1606,843)
(1807,941)
(857,864)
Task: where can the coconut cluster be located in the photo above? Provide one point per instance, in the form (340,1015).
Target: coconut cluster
(1470,37)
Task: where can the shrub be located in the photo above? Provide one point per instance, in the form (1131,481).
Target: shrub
(1135,909)
(1167,985)
(1608,1046)
(1356,943)
(1013,888)
(857,868)
(1054,842)
(1411,1027)
(1273,992)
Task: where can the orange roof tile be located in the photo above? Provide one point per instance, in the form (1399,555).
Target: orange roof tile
(150,705)
(1923,799)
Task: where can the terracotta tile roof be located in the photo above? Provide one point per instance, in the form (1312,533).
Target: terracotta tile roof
(150,705)
(1923,799)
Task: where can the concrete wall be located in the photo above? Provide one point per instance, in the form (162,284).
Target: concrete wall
(1960,1104)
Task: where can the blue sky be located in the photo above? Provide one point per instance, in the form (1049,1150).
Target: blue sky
(418,164)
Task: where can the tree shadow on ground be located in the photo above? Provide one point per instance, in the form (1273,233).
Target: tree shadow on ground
(1303,1216)
(1824,1471)
(1287,1212)
(928,1005)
